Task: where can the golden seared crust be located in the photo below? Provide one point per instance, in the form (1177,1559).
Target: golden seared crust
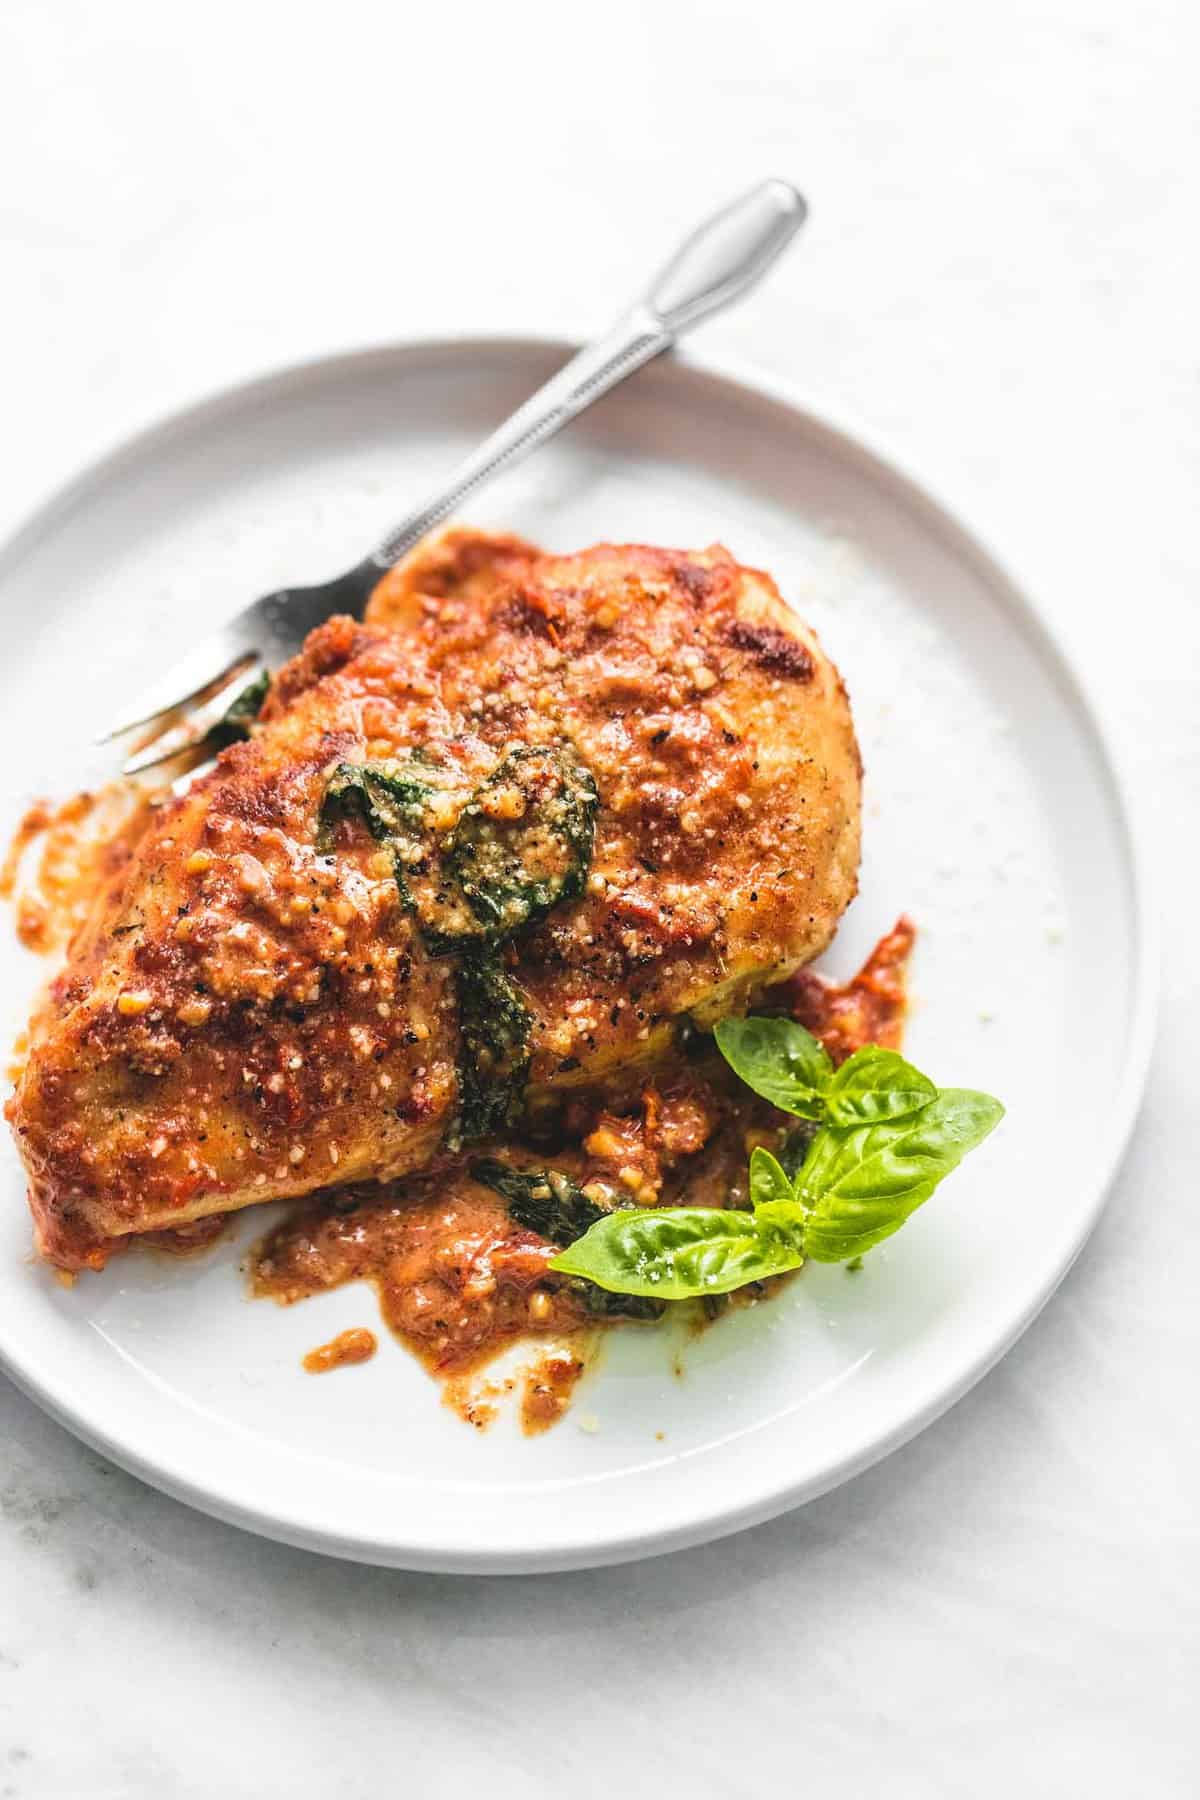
(455,564)
(254,1017)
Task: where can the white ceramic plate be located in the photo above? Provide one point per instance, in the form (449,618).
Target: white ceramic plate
(992,815)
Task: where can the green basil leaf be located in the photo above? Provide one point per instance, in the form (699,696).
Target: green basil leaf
(768,1179)
(780,1060)
(679,1252)
(876,1084)
(859,1186)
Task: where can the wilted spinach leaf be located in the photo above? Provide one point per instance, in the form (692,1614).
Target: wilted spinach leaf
(524,841)
(521,844)
(494,1065)
(543,1200)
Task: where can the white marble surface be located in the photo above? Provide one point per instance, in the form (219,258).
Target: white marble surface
(1001,279)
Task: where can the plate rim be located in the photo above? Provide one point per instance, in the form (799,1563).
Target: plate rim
(862,448)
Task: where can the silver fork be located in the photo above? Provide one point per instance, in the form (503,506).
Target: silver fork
(188,711)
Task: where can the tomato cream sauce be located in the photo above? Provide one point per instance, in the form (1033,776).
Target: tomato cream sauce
(63,858)
(870,1009)
(546,1392)
(458,1282)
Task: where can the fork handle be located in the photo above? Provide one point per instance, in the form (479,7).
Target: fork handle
(716,265)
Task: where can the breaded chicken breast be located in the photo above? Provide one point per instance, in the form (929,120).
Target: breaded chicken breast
(509,832)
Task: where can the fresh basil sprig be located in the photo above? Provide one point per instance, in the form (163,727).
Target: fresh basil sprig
(788,1066)
(887,1137)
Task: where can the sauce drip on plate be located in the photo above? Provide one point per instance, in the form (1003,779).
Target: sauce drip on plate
(458,1280)
(85,843)
(354,1346)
